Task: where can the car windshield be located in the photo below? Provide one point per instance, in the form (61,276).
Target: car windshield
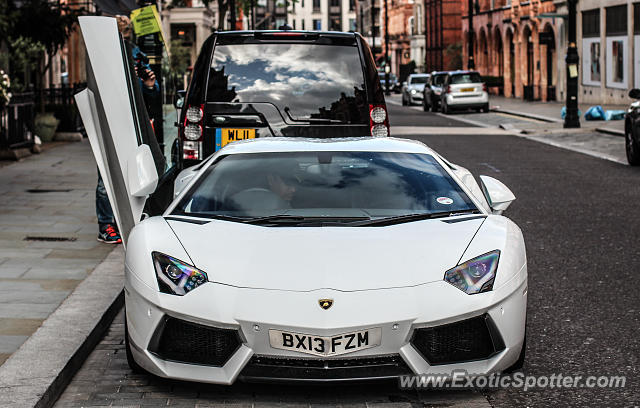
(331,185)
(471,78)
(302,80)
(418,80)
(383,76)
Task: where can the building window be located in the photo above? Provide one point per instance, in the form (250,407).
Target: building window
(294,24)
(317,25)
(352,24)
(334,3)
(352,5)
(302,3)
(303,23)
(591,61)
(617,51)
(418,19)
(412,30)
(591,23)
(617,20)
(316,5)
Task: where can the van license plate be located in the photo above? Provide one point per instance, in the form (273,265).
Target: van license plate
(226,136)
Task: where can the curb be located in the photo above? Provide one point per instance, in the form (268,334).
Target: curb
(528,115)
(39,371)
(614,132)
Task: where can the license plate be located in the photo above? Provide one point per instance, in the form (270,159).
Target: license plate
(325,345)
(226,136)
(467,89)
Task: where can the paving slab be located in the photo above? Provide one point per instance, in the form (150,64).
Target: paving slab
(51,195)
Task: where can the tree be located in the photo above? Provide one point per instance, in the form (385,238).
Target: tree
(45,23)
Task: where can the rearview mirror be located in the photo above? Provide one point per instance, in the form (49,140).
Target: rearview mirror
(142,176)
(634,93)
(497,194)
(179,99)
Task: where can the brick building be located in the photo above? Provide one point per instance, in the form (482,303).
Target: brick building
(520,42)
(400,19)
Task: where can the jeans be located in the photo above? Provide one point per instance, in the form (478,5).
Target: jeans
(104,212)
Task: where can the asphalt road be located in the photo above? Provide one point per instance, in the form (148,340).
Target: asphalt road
(578,216)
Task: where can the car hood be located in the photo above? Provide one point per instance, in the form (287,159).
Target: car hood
(340,258)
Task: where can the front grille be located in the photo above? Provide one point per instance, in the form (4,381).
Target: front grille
(292,369)
(186,342)
(467,340)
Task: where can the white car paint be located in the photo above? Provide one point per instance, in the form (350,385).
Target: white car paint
(263,278)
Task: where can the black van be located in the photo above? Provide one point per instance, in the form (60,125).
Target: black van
(249,84)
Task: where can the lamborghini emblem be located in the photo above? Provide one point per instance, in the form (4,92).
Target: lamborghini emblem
(325,303)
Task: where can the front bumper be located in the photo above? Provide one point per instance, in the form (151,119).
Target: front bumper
(250,313)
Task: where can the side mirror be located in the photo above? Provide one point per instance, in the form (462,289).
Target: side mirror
(497,194)
(634,93)
(179,100)
(183,180)
(142,176)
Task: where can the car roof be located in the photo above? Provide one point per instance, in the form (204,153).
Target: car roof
(291,32)
(418,75)
(463,72)
(288,144)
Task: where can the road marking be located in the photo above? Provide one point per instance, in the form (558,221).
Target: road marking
(497,170)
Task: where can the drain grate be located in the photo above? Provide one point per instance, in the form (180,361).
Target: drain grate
(51,190)
(50,239)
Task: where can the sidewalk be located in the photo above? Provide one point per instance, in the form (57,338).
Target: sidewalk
(48,236)
(550,112)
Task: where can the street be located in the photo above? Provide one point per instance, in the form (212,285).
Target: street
(576,213)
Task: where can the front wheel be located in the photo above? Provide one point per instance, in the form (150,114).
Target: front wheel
(445,108)
(632,148)
(425,107)
(485,108)
(404,102)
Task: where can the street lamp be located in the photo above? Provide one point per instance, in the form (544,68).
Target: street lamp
(471,63)
(387,68)
(571,119)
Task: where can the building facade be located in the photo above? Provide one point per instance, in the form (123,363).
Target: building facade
(609,48)
(369,21)
(521,42)
(192,25)
(400,22)
(437,39)
(322,15)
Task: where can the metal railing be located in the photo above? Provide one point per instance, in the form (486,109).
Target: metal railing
(16,121)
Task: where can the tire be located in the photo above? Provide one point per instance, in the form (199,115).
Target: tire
(485,108)
(404,102)
(632,147)
(135,367)
(425,107)
(520,361)
(435,107)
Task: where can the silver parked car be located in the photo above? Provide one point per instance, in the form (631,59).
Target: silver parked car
(432,91)
(412,89)
(464,90)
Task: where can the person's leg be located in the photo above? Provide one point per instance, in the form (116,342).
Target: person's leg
(107,230)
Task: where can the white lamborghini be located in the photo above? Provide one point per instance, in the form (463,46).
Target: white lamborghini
(303,259)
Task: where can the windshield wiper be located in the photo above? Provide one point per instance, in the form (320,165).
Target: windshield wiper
(381,222)
(299,219)
(309,120)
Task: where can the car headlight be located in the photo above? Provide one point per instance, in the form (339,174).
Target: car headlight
(413,92)
(476,275)
(176,277)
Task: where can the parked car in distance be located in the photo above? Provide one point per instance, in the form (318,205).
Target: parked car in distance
(464,90)
(394,85)
(252,84)
(412,89)
(432,91)
(632,129)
